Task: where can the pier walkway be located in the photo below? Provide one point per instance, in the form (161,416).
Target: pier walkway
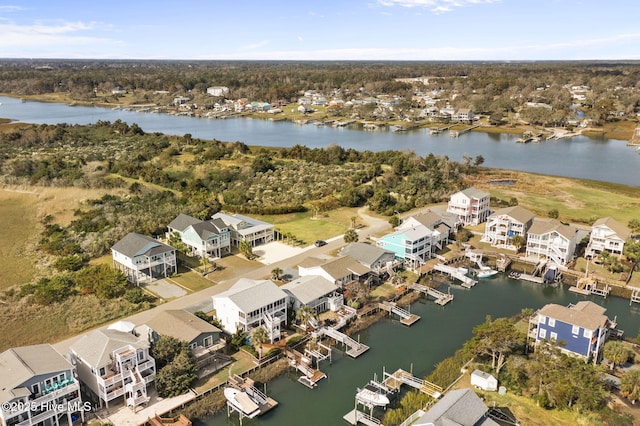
(356,416)
(400,377)
(457,274)
(440,297)
(407,318)
(353,348)
(245,384)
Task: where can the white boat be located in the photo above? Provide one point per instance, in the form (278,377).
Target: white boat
(242,402)
(486,272)
(373,397)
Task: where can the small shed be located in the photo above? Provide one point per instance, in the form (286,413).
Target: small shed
(484,381)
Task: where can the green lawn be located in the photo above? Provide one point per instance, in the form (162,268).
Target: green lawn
(308,229)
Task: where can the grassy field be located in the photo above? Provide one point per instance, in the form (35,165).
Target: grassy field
(576,200)
(308,229)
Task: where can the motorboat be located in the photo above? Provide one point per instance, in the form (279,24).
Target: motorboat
(486,272)
(372,396)
(241,401)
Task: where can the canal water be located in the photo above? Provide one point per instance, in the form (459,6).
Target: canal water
(579,157)
(438,334)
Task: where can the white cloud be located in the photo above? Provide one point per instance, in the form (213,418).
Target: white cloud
(10,8)
(436,6)
(41,34)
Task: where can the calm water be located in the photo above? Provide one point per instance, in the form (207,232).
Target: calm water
(598,159)
(439,333)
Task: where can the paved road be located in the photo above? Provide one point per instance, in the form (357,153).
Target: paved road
(201,300)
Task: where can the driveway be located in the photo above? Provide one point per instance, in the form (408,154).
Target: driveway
(165,290)
(276,251)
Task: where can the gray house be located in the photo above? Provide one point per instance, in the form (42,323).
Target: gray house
(373,257)
(186,327)
(34,380)
(140,258)
(460,407)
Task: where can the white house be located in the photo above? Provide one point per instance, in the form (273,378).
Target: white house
(314,291)
(340,271)
(34,381)
(140,258)
(217,90)
(245,228)
(203,237)
(607,234)
(550,239)
(463,114)
(113,363)
(471,206)
(249,304)
(504,224)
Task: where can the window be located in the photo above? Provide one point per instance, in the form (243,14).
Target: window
(35,388)
(552,322)
(575,330)
(543,319)
(543,333)
(553,336)
(102,371)
(193,345)
(588,333)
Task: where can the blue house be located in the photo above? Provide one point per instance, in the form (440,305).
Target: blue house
(580,330)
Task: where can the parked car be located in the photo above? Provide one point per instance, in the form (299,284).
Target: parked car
(320,243)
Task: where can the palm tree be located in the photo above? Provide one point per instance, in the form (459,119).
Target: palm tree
(305,314)
(246,249)
(259,336)
(630,385)
(353,221)
(204,264)
(276,273)
(351,236)
(616,352)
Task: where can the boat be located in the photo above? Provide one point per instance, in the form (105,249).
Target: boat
(242,402)
(370,395)
(486,272)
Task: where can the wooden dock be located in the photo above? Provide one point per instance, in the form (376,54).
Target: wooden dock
(353,348)
(395,380)
(456,133)
(406,317)
(356,416)
(531,278)
(635,296)
(303,364)
(169,421)
(247,385)
(440,298)
(502,263)
(456,273)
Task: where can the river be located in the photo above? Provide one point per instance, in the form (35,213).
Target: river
(438,334)
(580,157)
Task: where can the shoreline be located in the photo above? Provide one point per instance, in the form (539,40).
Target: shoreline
(545,133)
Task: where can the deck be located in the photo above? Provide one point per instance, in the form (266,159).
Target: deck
(353,348)
(395,380)
(440,298)
(406,317)
(247,385)
(455,273)
(531,278)
(356,416)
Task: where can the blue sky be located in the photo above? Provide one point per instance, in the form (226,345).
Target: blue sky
(321,30)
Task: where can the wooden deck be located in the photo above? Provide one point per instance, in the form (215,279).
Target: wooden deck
(399,377)
(406,317)
(355,417)
(265,403)
(169,421)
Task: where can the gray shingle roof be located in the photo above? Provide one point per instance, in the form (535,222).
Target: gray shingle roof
(182,222)
(133,245)
(309,288)
(542,226)
(366,254)
(180,324)
(518,213)
(17,365)
(458,407)
(621,231)
(473,192)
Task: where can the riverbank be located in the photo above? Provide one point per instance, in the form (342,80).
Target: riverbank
(619,130)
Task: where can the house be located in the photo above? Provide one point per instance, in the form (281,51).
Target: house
(204,237)
(180,100)
(581,329)
(504,224)
(34,381)
(463,114)
(140,258)
(249,304)
(417,238)
(340,271)
(471,206)
(185,327)
(373,257)
(607,234)
(552,240)
(114,363)
(460,407)
(244,228)
(484,381)
(314,291)
(217,90)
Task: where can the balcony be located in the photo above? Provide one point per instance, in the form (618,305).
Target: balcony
(66,387)
(47,414)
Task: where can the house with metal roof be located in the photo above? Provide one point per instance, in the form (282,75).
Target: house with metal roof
(340,271)
(314,291)
(504,224)
(470,205)
(552,240)
(33,382)
(211,238)
(113,364)
(244,228)
(607,234)
(460,407)
(249,304)
(579,330)
(143,258)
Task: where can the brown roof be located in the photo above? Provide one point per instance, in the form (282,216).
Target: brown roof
(621,231)
(180,324)
(518,213)
(584,314)
(545,225)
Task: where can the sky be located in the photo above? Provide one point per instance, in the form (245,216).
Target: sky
(407,30)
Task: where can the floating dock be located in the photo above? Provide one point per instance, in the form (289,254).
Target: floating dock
(531,278)
(303,363)
(356,416)
(456,273)
(250,393)
(406,317)
(440,298)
